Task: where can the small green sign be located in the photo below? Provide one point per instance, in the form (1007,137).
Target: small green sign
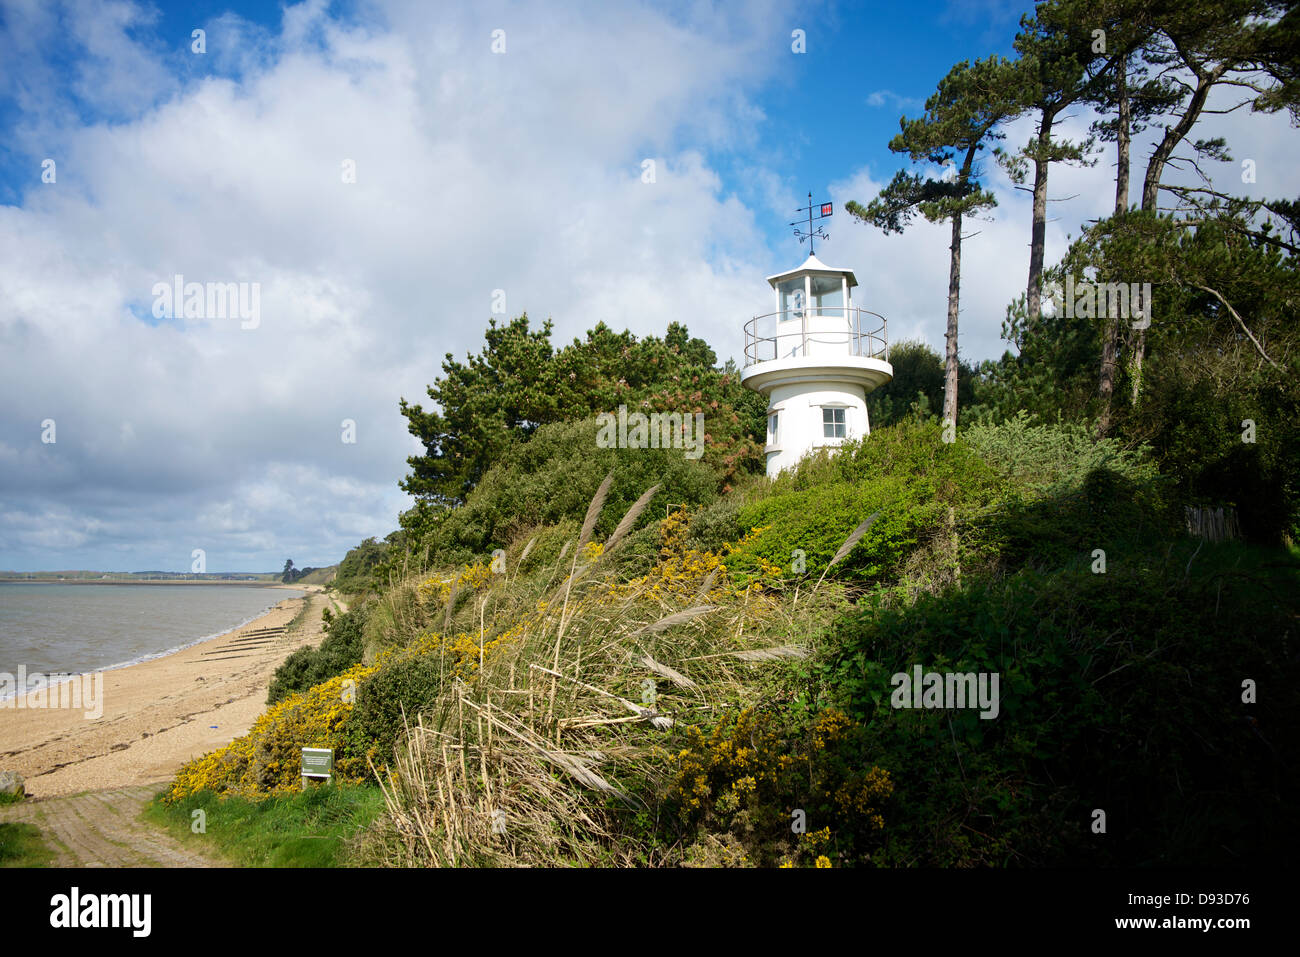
(317,762)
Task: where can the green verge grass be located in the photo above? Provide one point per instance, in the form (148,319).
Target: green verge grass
(310,829)
(21,845)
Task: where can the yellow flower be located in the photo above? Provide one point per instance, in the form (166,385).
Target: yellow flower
(819,837)
(823,861)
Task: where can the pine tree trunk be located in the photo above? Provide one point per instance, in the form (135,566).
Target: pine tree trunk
(1109,362)
(1110,333)
(954,291)
(1151,191)
(1175,135)
(1038,230)
(1135,363)
(1122,138)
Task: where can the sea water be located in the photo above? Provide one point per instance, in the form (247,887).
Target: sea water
(74,628)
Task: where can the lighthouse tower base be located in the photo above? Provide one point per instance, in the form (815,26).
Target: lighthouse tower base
(812,406)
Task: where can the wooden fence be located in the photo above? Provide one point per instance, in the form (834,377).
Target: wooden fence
(1214,524)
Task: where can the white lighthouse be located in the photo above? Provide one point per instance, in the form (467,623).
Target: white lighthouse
(815,358)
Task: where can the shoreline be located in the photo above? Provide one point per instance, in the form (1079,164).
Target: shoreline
(65,676)
(160,712)
(147,581)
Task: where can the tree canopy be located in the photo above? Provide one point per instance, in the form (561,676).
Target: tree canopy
(519,381)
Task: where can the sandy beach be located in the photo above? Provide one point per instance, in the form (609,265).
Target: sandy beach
(160,713)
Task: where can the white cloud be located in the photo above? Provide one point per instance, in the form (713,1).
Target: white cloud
(474,171)
(878,98)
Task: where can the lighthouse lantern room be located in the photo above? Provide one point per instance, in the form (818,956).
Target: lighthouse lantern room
(815,358)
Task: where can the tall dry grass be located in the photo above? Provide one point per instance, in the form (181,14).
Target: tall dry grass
(560,733)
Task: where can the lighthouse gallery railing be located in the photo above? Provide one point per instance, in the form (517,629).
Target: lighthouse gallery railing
(760,346)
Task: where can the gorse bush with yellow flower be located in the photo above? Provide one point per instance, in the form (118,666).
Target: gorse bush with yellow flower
(471,578)
(362,713)
(359,714)
(679,571)
(268,760)
(785,793)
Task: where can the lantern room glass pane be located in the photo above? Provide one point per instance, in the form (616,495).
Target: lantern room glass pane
(790,297)
(828,294)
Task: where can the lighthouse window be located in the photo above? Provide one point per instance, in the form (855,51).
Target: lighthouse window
(833,423)
(771,429)
(828,294)
(791,298)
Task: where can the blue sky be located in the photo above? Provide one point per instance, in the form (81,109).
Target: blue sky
(823,113)
(480,177)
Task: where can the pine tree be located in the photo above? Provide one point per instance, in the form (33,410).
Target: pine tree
(960,120)
(1055,71)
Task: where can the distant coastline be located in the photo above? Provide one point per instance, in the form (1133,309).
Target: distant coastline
(154,655)
(147,581)
(80,657)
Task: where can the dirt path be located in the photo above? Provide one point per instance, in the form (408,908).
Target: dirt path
(103,829)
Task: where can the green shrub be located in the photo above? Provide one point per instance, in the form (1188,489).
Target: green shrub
(817,521)
(1069,494)
(1048,459)
(637,554)
(548,543)
(717,524)
(1108,512)
(399,691)
(1197,428)
(551,479)
(912,450)
(917,483)
(1120,691)
(339,651)
(356,570)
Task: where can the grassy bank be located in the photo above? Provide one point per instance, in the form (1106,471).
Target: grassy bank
(314,828)
(21,845)
(712,685)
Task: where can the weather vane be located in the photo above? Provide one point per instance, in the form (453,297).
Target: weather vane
(823,210)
